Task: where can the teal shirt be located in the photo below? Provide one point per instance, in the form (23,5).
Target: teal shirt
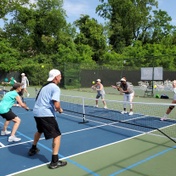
(8,101)
(12,81)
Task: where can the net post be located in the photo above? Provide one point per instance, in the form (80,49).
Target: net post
(84,116)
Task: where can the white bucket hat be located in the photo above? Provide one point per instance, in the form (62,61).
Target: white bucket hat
(52,74)
(98,80)
(123,80)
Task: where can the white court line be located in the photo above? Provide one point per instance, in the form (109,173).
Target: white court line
(103,124)
(90,128)
(76,131)
(2,145)
(111,124)
(68,157)
(86,129)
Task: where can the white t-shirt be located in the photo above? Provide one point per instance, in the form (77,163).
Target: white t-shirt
(24,81)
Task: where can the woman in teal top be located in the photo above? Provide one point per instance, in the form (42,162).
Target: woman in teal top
(5,111)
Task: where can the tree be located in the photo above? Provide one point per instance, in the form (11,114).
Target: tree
(157,28)
(149,55)
(92,34)
(35,26)
(125,20)
(8,57)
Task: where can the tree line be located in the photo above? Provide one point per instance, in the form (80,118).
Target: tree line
(136,33)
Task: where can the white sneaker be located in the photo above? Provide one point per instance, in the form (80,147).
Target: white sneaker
(105,107)
(13,139)
(5,132)
(131,113)
(96,106)
(28,94)
(123,112)
(17,105)
(164,118)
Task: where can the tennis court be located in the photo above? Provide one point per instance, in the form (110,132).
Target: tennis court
(96,141)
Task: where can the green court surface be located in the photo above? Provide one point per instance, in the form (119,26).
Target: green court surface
(142,155)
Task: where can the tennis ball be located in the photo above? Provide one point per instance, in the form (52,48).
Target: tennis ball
(42,66)
(155,86)
(93,82)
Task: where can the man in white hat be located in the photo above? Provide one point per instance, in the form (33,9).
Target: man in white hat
(46,105)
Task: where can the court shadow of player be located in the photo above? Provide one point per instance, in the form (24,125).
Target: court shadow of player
(22,151)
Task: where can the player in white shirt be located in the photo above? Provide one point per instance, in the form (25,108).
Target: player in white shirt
(25,82)
(173,101)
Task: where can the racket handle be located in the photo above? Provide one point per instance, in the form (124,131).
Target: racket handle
(28,109)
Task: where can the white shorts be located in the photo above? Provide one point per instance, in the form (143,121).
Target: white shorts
(128,97)
(24,86)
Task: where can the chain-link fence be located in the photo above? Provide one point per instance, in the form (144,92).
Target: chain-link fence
(81,76)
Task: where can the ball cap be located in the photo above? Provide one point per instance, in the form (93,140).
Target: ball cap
(123,80)
(52,74)
(16,85)
(22,74)
(98,80)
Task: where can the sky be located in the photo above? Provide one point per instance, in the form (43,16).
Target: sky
(74,8)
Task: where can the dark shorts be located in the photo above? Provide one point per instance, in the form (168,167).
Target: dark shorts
(100,95)
(48,126)
(9,115)
(21,92)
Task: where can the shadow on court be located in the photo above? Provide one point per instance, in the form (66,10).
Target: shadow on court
(22,151)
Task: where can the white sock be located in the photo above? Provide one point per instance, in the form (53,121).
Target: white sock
(165,115)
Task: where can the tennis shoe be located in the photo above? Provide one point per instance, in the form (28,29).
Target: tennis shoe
(57,164)
(96,106)
(13,139)
(17,105)
(124,112)
(164,118)
(5,132)
(28,94)
(105,107)
(33,151)
(131,113)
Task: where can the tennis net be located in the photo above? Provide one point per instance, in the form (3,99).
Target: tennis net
(146,117)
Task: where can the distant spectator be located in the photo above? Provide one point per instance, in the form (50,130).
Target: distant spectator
(12,81)
(25,82)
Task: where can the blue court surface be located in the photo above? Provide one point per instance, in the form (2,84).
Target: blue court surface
(77,137)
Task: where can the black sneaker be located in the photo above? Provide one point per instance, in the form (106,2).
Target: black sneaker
(57,164)
(33,151)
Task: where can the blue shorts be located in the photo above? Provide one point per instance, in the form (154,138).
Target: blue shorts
(48,126)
